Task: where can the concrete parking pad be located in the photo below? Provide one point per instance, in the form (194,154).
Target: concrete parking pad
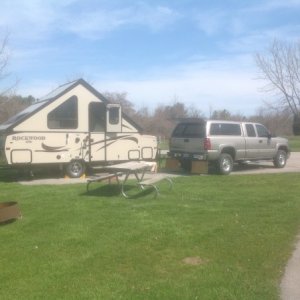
(265,167)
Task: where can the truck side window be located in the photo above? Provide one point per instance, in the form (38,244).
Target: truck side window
(65,116)
(262,131)
(225,129)
(250,130)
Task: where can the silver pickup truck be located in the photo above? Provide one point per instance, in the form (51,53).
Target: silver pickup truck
(226,142)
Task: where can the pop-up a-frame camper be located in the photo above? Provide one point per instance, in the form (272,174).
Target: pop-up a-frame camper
(74,126)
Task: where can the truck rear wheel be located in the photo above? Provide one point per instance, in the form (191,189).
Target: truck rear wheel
(75,168)
(225,164)
(280,159)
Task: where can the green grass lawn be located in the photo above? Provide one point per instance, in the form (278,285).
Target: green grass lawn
(238,230)
(294,142)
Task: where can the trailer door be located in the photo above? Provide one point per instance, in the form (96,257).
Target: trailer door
(97,124)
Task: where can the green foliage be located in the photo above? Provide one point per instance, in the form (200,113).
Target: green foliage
(239,231)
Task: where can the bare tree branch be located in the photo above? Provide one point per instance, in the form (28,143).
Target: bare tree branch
(280,68)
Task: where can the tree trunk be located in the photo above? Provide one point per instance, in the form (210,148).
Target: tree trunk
(296,125)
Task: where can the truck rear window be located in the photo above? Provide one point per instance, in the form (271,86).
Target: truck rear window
(225,129)
(190,130)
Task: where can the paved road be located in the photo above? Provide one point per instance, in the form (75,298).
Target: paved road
(293,165)
(290,289)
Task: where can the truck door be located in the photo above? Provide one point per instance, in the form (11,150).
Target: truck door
(97,126)
(266,145)
(252,142)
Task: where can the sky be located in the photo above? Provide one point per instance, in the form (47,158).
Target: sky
(198,52)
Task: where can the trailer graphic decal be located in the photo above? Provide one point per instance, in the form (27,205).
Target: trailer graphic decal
(104,143)
(109,142)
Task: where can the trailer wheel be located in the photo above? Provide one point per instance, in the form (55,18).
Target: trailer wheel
(75,168)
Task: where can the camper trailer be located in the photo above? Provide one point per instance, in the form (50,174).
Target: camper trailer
(74,126)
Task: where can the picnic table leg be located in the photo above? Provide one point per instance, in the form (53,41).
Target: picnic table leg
(122,185)
(156,189)
(170,182)
(137,176)
(87,186)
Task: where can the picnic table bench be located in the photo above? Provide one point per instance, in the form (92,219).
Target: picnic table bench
(151,182)
(101,177)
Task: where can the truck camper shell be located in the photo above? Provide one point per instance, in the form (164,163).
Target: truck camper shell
(73,126)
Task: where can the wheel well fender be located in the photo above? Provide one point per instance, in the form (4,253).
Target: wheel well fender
(284,148)
(229,150)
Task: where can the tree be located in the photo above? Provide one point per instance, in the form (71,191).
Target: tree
(280,67)
(278,121)
(3,60)
(16,104)
(121,98)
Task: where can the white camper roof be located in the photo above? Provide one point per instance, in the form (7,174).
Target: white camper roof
(52,96)
(36,106)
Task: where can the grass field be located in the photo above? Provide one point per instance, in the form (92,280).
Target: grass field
(294,142)
(212,237)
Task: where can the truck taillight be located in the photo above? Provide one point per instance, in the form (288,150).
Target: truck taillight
(207,144)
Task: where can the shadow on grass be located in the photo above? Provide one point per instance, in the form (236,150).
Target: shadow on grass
(114,190)
(2,224)
(9,174)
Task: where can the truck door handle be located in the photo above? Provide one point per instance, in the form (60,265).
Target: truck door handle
(260,141)
(186,140)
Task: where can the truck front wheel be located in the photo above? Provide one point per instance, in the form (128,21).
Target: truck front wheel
(225,164)
(75,168)
(280,159)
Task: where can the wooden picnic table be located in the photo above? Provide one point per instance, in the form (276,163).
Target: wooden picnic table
(135,168)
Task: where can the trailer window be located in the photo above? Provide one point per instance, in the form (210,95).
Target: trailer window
(64,116)
(114,113)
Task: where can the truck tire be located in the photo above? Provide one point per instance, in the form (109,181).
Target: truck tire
(280,159)
(225,164)
(75,168)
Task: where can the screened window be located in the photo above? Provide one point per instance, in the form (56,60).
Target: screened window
(262,131)
(225,129)
(65,116)
(250,130)
(97,117)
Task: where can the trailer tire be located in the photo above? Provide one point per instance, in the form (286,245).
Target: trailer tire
(75,168)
